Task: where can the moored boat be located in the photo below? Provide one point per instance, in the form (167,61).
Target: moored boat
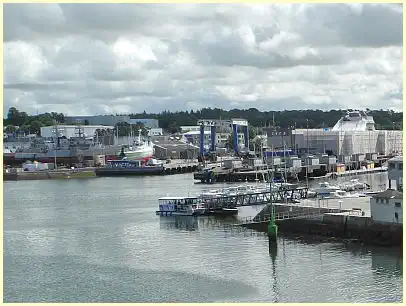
(180,206)
(128,167)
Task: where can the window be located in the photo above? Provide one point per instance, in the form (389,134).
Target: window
(398,204)
(387,201)
(400,166)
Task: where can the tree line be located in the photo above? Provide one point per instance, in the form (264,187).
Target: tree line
(171,121)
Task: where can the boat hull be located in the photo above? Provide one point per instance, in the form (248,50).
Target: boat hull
(132,171)
(176,213)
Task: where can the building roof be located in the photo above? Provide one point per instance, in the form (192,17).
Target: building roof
(397,159)
(389,194)
(62,126)
(190,133)
(175,146)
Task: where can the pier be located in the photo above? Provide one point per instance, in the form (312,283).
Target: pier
(180,167)
(217,174)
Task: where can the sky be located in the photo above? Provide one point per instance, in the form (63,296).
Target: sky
(88,59)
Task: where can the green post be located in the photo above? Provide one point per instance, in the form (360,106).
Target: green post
(272,227)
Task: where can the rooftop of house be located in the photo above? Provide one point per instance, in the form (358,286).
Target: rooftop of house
(389,194)
(397,159)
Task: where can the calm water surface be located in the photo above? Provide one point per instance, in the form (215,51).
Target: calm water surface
(98,240)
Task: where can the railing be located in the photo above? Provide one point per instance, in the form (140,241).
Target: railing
(303,214)
(255,198)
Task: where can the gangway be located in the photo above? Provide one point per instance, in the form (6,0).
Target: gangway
(256,198)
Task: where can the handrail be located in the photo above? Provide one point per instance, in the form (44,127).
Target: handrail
(308,213)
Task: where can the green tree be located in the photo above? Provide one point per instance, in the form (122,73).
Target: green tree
(10,129)
(35,127)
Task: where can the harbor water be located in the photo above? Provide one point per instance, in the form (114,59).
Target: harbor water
(99,240)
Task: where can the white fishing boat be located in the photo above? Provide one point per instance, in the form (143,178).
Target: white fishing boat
(325,189)
(180,206)
(140,150)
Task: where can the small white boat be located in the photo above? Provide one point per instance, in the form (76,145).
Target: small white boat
(354,184)
(180,206)
(325,189)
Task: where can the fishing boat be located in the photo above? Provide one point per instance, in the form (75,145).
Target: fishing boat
(324,190)
(140,150)
(180,206)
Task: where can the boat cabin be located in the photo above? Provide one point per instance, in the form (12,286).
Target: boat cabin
(123,164)
(177,203)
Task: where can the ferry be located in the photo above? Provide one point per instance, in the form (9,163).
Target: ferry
(180,206)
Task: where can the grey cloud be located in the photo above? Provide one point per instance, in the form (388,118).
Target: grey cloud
(65,56)
(369,26)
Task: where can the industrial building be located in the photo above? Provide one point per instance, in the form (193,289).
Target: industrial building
(97,120)
(71,130)
(353,134)
(110,120)
(387,206)
(175,150)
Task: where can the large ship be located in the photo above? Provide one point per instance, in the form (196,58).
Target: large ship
(140,150)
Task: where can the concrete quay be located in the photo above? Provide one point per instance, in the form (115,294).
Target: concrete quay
(353,223)
(49,174)
(174,167)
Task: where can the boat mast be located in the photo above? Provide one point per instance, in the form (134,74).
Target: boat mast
(307,161)
(272,227)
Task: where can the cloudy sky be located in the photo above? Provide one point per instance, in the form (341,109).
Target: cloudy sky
(83,59)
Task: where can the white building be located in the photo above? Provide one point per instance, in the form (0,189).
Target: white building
(221,138)
(352,134)
(70,131)
(395,173)
(386,207)
(155,132)
(189,128)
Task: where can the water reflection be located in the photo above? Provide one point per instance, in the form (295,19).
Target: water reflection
(273,252)
(184,223)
